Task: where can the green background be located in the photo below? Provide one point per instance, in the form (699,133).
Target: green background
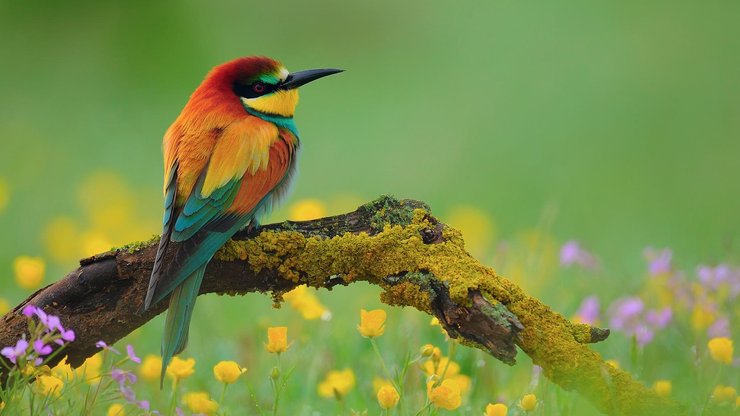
(614,123)
(623,116)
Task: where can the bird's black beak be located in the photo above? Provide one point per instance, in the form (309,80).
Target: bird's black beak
(296,79)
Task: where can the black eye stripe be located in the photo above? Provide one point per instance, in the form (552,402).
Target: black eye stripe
(254,89)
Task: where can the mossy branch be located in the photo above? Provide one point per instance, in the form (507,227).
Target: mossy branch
(397,245)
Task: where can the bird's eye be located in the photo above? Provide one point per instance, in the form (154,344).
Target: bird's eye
(254,89)
(259,87)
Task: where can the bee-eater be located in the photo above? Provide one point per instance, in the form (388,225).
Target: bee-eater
(228,157)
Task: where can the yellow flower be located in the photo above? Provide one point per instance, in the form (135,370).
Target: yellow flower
(199,402)
(431,368)
(388,397)
(90,369)
(47,385)
(307,209)
(498,409)
(528,402)
(305,302)
(228,372)
(150,367)
(337,384)
(721,349)
(29,271)
(462,381)
(379,383)
(31,370)
(447,395)
(277,339)
(2,405)
(4,306)
(613,363)
(372,323)
(724,393)
(180,369)
(116,409)
(426,350)
(701,317)
(63,370)
(662,388)
(435,322)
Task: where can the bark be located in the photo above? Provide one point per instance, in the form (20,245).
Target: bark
(398,245)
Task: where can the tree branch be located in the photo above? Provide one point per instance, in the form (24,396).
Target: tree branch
(397,245)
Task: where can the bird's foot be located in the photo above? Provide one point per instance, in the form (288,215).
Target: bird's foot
(253,228)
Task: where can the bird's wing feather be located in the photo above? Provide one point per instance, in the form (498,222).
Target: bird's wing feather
(246,164)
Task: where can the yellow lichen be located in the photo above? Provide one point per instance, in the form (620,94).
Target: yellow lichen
(395,250)
(397,259)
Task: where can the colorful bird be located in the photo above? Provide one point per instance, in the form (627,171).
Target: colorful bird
(228,158)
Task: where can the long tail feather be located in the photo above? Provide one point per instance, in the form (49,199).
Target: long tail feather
(177,323)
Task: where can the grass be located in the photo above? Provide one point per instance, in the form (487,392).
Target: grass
(662,323)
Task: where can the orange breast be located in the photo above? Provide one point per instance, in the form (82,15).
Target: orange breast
(256,186)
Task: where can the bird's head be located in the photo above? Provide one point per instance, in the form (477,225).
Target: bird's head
(264,85)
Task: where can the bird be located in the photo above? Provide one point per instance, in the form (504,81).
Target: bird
(229,157)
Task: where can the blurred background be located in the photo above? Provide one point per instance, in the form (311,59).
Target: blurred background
(526,125)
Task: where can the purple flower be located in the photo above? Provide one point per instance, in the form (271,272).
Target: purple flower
(12,353)
(118,375)
(706,274)
(54,323)
(143,405)
(128,394)
(643,335)
(588,313)
(29,310)
(43,317)
(572,253)
(721,275)
(569,253)
(41,348)
(132,354)
(67,335)
(126,377)
(720,328)
(103,345)
(625,313)
(659,319)
(122,377)
(659,262)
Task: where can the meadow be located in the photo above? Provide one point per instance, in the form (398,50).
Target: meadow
(316,355)
(586,151)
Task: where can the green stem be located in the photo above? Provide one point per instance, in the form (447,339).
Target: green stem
(450,355)
(88,410)
(382,362)
(223,394)
(426,406)
(254,399)
(400,379)
(277,387)
(30,401)
(709,393)
(173,398)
